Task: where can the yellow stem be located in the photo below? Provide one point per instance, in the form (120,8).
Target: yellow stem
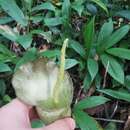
(60,77)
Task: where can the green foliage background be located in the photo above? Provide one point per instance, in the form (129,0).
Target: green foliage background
(98,50)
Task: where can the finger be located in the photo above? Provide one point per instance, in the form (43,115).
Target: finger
(16,113)
(64,124)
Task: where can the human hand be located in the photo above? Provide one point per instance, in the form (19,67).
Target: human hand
(15,116)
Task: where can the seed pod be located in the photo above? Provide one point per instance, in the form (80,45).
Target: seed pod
(43,84)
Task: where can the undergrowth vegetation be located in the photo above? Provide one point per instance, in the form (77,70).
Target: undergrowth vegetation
(97,56)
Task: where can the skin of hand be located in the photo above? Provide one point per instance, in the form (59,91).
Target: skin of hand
(16,116)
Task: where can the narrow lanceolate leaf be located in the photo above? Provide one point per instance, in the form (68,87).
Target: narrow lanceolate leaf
(4,58)
(50,53)
(6,55)
(101,4)
(7,32)
(87,81)
(85,122)
(92,67)
(4,67)
(117,36)
(123,95)
(46,35)
(106,31)
(5,20)
(10,7)
(25,40)
(114,68)
(77,47)
(124,13)
(88,35)
(90,102)
(69,63)
(77,6)
(5,50)
(66,8)
(27,4)
(119,52)
(53,21)
(127,81)
(44,6)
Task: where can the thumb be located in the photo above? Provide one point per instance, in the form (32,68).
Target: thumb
(63,124)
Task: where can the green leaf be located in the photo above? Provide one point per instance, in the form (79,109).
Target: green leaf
(11,8)
(90,102)
(36,19)
(27,4)
(66,8)
(69,63)
(88,35)
(30,55)
(123,13)
(46,35)
(77,47)
(119,52)
(53,21)
(4,58)
(111,126)
(79,2)
(77,6)
(117,36)
(82,65)
(123,95)
(7,32)
(92,67)
(98,80)
(25,40)
(101,4)
(4,67)
(5,50)
(44,6)
(6,55)
(87,81)
(86,122)
(106,31)
(114,68)
(50,53)
(37,124)
(7,98)
(2,87)
(5,20)
(127,81)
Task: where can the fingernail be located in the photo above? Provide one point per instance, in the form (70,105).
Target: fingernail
(71,123)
